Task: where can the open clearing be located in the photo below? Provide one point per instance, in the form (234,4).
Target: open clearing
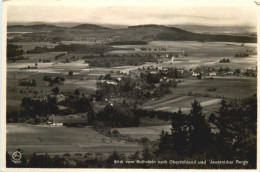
(31,45)
(228,87)
(193,48)
(151,132)
(49,139)
(199,54)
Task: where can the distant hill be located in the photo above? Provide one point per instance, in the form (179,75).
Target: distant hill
(137,33)
(89,26)
(32,28)
(160,32)
(236,30)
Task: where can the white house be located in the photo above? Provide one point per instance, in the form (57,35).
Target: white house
(212,74)
(60,97)
(195,74)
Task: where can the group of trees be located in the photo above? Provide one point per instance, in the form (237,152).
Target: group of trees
(241,55)
(77,104)
(250,73)
(33,110)
(118,115)
(151,78)
(34,107)
(14,52)
(72,48)
(117,60)
(191,136)
(38,50)
(30,83)
(153,114)
(224,60)
(51,80)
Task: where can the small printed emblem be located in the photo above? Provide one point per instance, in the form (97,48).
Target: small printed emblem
(17,156)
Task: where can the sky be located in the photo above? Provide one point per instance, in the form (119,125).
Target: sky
(134,14)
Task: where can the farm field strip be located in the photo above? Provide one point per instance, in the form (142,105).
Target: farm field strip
(183,102)
(60,139)
(151,133)
(210,102)
(172,109)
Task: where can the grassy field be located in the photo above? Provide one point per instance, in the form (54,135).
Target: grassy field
(81,42)
(31,45)
(199,54)
(60,140)
(196,49)
(82,77)
(229,87)
(150,132)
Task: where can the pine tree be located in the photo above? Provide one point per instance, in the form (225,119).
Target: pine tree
(199,130)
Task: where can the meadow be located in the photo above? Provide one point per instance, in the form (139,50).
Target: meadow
(193,89)
(199,53)
(150,132)
(60,140)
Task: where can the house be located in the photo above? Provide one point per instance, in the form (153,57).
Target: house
(194,74)
(60,97)
(60,107)
(230,73)
(212,74)
(165,69)
(154,72)
(111,82)
(180,71)
(160,68)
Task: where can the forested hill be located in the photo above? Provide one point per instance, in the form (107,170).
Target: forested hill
(132,33)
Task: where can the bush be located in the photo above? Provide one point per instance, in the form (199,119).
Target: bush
(76,92)
(115,132)
(224,60)
(212,89)
(212,117)
(70,73)
(66,154)
(55,90)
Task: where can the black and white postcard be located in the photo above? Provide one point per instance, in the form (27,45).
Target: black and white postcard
(129,85)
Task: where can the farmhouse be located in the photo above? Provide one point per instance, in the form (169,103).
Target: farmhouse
(60,97)
(230,73)
(212,74)
(111,82)
(194,74)
(154,72)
